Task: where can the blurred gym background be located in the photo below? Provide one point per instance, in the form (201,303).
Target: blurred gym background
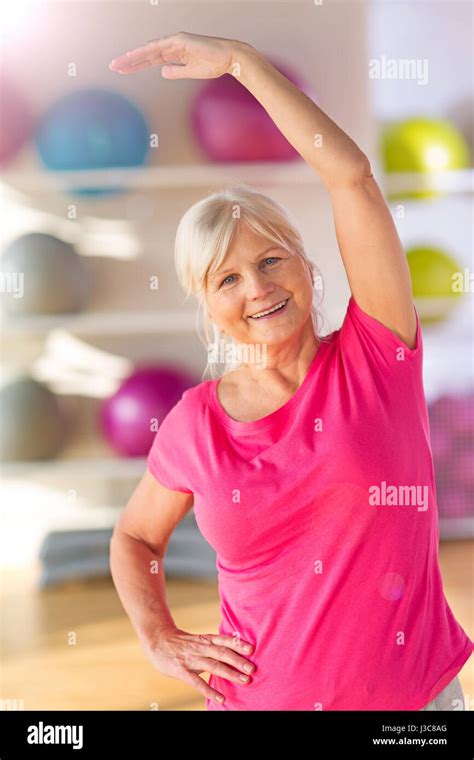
(96,171)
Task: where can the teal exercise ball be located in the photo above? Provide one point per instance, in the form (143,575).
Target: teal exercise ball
(92,129)
(33,424)
(45,275)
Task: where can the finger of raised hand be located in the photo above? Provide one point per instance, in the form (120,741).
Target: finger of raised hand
(125,63)
(154,52)
(130,69)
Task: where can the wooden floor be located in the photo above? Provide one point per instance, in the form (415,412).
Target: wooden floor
(106,670)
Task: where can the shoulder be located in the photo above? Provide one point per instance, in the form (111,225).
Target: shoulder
(178,437)
(365,341)
(186,408)
(194,398)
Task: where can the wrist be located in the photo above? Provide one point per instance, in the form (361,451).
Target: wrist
(241,54)
(151,639)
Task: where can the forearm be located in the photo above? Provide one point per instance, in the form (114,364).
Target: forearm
(322,144)
(138,575)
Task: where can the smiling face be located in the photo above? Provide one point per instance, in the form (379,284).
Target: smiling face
(255,276)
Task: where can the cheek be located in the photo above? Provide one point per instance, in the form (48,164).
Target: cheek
(230,310)
(302,292)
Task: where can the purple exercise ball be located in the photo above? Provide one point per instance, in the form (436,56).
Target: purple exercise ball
(130,417)
(231,125)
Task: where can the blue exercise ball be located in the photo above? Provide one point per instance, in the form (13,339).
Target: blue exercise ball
(92,129)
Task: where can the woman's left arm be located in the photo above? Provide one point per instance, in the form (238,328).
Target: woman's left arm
(371,250)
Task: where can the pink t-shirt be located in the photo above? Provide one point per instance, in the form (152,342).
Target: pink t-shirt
(324,520)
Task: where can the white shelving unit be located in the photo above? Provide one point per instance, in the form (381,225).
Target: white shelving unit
(166,177)
(115,468)
(445,220)
(449,182)
(321,60)
(103,323)
(90,323)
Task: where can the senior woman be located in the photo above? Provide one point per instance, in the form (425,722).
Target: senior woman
(310,472)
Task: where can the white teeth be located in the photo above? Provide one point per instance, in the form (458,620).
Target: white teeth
(275,308)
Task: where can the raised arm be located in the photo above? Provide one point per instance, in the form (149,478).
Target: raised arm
(371,251)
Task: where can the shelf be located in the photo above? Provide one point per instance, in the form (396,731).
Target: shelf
(450,182)
(85,455)
(180,322)
(295,172)
(116,468)
(103,323)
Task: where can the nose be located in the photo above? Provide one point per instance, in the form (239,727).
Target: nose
(258,286)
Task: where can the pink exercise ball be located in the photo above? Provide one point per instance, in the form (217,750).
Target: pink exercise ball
(455,412)
(129,419)
(463,469)
(452,442)
(231,125)
(463,418)
(16,124)
(441,444)
(454,503)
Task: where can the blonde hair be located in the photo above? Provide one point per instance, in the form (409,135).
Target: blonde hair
(204,235)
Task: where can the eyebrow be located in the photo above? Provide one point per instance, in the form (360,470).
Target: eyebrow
(219,274)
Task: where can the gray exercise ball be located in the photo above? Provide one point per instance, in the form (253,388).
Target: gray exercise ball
(43,275)
(32,423)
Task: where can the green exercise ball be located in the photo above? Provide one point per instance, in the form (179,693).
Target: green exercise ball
(432,271)
(423,145)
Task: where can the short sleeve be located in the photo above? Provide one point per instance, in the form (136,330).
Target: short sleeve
(167,456)
(363,331)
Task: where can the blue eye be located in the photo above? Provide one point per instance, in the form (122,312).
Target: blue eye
(269,258)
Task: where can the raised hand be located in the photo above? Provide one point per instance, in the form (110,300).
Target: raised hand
(182,56)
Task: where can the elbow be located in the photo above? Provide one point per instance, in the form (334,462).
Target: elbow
(366,167)
(130,540)
(355,173)
(362,170)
